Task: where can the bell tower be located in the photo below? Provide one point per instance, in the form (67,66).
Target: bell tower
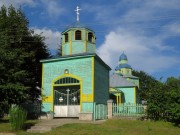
(78,39)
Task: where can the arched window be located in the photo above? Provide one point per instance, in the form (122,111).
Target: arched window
(78,35)
(67,80)
(66,37)
(90,36)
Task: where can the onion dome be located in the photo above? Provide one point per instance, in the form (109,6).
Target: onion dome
(123,57)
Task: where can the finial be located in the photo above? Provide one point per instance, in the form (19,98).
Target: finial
(77,12)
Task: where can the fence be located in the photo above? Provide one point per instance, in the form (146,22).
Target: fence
(100,111)
(127,110)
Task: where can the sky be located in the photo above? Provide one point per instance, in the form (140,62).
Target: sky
(147,31)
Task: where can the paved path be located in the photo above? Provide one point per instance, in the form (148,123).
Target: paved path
(47,125)
(62,121)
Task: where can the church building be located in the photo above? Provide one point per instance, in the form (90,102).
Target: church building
(75,81)
(123,85)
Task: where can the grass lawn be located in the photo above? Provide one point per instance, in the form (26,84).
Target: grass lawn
(5,126)
(110,127)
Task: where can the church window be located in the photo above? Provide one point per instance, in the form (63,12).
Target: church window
(66,37)
(90,36)
(78,35)
(67,80)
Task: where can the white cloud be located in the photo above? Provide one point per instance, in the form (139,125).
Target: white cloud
(164,4)
(173,28)
(53,8)
(144,53)
(17,3)
(150,10)
(145,48)
(52,38)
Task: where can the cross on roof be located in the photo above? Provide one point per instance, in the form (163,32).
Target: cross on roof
(77,12)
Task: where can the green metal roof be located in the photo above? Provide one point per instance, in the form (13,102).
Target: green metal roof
(77,25)
(76,56)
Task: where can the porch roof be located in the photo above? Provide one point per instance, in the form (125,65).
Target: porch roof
(119,81)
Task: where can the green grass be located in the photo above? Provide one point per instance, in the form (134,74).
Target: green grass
(110,127)
(118,127)
(5,126)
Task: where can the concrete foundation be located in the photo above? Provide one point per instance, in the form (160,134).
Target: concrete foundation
(86,116)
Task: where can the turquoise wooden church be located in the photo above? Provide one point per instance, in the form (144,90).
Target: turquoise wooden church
(72,83)
(123,85)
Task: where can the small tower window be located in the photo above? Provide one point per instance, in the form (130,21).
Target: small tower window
(66,37)
(90,36)
(78,35)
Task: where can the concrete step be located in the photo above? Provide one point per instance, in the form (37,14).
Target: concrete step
(39,129)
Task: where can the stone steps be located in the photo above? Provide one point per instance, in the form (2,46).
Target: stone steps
(40,129)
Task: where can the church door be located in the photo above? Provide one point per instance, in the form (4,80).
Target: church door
(67,97)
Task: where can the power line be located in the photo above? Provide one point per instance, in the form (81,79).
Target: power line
(124,20)
(157,28)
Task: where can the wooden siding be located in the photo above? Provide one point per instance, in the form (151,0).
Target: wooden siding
(101,83)
(81,67)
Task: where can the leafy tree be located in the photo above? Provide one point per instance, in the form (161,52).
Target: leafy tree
(174,106)
(164,101)
(20,51)
(172,85)
(147,84)
(158,103)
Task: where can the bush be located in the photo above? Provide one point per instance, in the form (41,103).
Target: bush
(174,107)
(1,111)
(4,107)
(17,117)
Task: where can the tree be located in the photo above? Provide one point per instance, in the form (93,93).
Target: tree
(157,103)
(154,92)
(21,51)
(174,106)
(172,85)
(147,84)
(164,101)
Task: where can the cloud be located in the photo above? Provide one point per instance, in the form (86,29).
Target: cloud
(17,3)
(52,38)
(173,28)
(144,53)
(133,11)
(141,32)
(53,8)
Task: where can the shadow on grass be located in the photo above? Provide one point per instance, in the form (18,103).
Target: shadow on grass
(176,125)
(4,121)
(29,123)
